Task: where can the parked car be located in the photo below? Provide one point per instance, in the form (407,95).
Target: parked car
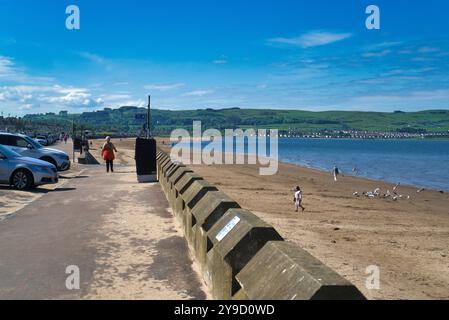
(24,173)
(50,139)
(27,147)
(42,140)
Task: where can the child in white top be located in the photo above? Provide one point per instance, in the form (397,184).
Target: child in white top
(298,199)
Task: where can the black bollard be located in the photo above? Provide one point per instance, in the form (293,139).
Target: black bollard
(145,156)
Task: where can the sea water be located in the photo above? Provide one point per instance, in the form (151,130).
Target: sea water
(422,163)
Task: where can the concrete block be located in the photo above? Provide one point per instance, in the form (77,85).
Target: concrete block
(181,187)
(284,271)
(173,193)
(87,158)
(196,192)
(232,242)
(205,214)
(162,170)
(160,155)
(163,163)
(160,165)
(169,171)
(177,175)
(240,295)
(191,197)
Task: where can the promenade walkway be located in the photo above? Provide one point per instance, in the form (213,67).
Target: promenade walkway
(121,236)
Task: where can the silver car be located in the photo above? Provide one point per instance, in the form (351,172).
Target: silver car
(24,173)
(27,147)
(41,140)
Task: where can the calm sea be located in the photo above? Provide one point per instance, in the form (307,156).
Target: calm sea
(422,163)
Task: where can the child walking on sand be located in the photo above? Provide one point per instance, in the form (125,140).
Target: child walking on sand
(108,155)
(298,199)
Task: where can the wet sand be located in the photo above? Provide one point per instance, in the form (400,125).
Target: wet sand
(407,239)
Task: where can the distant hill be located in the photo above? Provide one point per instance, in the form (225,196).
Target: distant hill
(129,120)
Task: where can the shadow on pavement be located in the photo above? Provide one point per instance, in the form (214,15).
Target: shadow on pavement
(70,178)
(45,191)
(36,190)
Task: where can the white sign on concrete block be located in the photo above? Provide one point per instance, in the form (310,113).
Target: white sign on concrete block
(228,228)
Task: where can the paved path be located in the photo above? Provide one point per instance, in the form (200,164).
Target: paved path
(120,234)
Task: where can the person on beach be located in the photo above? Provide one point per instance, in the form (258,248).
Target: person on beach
(107,152)
(336,173)
(298,199)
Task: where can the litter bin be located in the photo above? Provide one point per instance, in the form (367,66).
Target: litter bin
(145,157)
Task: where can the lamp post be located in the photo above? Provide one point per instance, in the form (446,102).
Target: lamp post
(149,118)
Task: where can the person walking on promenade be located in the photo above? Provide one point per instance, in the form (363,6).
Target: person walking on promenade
(298,199)
(66,137)
(107,152)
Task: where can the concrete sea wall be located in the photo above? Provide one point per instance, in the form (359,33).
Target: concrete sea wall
(241,256)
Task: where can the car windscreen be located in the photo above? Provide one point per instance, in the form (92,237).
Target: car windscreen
(8,153)
(34,143)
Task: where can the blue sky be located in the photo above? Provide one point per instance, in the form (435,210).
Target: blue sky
(310,55)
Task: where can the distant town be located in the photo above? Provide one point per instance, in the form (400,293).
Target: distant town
(355,134)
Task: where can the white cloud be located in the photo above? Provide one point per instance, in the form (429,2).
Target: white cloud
(313,39)
(115,97)
(6,66)
(92,57)
(221,60)
(198,93)
(23,97)
(26,107)
(135,103)
(9,71)
(428,50)
(383,45)
(164,87)
(376,54)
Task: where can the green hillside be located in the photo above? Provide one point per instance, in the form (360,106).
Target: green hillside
(129,120)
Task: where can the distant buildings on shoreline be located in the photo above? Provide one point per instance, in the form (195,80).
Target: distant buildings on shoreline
(355,134)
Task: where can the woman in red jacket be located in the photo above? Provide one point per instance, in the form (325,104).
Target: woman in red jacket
(107,152)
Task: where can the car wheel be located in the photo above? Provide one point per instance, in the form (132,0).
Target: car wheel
(50,160)
(22,180)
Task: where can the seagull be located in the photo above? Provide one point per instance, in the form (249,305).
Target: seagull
(396,187)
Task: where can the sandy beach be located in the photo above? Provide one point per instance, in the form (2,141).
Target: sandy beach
(407,239)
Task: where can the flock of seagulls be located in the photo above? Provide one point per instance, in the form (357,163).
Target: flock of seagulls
(394,195)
